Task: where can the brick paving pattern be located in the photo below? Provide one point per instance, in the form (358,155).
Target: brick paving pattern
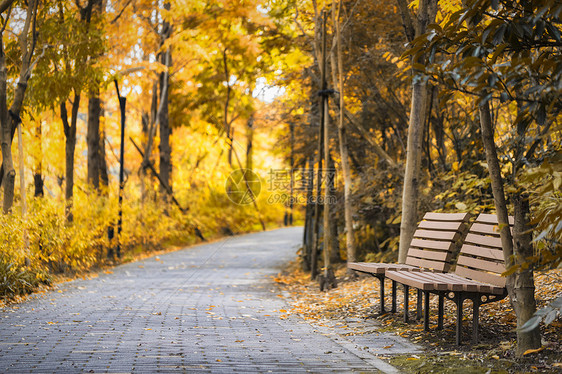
(210,308)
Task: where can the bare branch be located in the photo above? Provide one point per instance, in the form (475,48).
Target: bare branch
(5,5)
(121,12)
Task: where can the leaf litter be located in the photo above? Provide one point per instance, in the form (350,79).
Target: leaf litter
(357,299)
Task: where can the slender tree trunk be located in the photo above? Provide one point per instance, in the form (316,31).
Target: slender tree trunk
(10,119)
(93,139)
(38,167)
(329,278)
(415,25)
(410,193)
(335,256)
(165,127)
(520,285)
(439,131)
(250,145)
(317,205)
(292,167)
(70,146)
(104,176)
(23,195)
(524,302)
(348,208)
(165,146)
(308,240)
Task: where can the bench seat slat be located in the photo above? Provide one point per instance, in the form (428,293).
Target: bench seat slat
(492,219)
(432,244)
(439,235)
(431,216)
(430,255)
(488,241)
(481,276)
(479,264)
(481,228)
(429,264)
(418,280)
(489,253)
(435,282)
(378,268)
(435,225)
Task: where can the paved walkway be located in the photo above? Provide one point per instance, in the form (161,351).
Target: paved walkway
(209,308)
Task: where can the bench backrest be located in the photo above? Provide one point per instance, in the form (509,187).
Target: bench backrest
(481,256)
(435,241)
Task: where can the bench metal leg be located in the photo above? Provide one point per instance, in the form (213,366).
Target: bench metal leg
(475,318)
(459,301)
(419,306)
(393,310)
(440,311)
(426,311)
(406,302)
(381,279)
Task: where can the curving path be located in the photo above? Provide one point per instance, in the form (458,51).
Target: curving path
(208,308)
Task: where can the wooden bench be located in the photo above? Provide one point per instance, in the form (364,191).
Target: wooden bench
(477,276)
(433,248)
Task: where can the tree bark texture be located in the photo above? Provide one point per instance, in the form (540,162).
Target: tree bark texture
(410,192)
(93,140)
(104,176)
(523,301)
(250,143)
(520,285)
(10,118)
(70,146)
(165,128)
(38,167)
(414,25)
(342,136)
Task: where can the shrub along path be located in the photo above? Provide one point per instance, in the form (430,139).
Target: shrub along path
(209,308)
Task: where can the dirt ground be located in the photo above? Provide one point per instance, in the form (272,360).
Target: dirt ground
(357,297)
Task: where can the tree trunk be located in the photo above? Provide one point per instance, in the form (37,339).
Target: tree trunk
(165,147)
(10,119)
(9,177)
(410,193)
(292,171)
(348,209)
(308,240)
(328,235)
(250,145)
(520,285)
(104,176)
(415,25)
(524,302)
(70,146)
(165,128)
(439,131)
(93,140)
(38,168)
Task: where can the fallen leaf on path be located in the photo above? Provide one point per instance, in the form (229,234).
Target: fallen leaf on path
(531,351)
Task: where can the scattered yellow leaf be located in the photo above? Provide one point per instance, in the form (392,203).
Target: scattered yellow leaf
(531,351)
